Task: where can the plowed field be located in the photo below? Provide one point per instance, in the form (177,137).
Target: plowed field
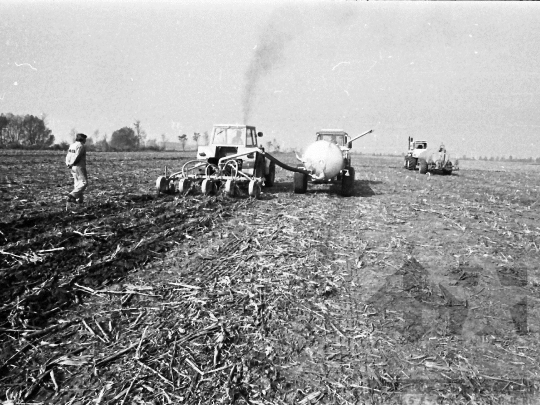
(417,289)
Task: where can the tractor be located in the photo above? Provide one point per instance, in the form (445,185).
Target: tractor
(415,149)
(231,159)
(430,160)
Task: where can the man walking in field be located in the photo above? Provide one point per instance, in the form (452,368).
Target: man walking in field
(76,161)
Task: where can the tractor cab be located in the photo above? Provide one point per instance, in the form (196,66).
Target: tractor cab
(340,138)
(416,147)
(228,140)
(337,136)
(419,145)
(237,142)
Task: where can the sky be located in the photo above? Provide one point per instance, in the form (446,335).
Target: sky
(465,74)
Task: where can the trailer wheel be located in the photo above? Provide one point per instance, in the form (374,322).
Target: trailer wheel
(347,183)
(161,185)
(423,167)
(230,188)
(184,185)
(207,187)
(300,183)
(254,189)
(447,171)
(270,178)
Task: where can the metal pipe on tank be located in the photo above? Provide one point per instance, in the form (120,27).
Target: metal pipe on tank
(361,135)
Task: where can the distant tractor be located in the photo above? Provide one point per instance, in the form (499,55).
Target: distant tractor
(231,159)
(415,149)
(426,159)
(327,161)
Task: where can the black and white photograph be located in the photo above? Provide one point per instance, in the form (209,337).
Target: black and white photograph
(269,202)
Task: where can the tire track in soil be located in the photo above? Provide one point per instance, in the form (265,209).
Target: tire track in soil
(47,284)
(347,326)
(336,360)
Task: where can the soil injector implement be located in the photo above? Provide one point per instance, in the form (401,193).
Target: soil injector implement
(232,160)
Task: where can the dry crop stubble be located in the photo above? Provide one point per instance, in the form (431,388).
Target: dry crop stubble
(416,288)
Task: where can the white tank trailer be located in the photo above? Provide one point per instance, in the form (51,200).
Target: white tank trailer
(327,161)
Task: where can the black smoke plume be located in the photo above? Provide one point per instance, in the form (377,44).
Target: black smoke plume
(269,54)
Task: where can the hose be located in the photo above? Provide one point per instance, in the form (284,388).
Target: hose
(285,166)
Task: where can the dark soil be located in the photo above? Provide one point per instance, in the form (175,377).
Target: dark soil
(416,289)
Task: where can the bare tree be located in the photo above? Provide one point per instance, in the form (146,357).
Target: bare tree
(163,141)
(277,146)
(94,138)
(3,128)
(196,136)
(183,139)
(102,144)
(139,133)
(72,134)
(12,131)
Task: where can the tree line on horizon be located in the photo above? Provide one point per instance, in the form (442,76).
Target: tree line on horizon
(31,132)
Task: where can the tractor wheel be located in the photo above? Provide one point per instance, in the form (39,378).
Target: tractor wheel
(347,183)
(254,189)
(270,178)
(184,185)
(410,163)
(230,188)
(207,187)
(161,185)
(447,170)
(423,167)
(300,183)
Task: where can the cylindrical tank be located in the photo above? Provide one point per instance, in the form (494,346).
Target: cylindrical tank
(324,159)
(434,156)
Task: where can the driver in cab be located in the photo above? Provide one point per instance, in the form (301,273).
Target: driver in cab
(237,140)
